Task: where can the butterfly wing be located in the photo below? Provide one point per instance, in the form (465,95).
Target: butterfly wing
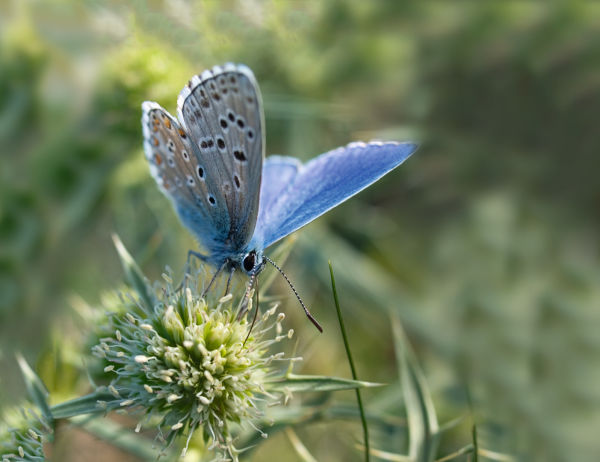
(221,110)
(321,184)
(278,172)
(174,164)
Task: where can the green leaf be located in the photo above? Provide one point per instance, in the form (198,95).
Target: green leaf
(37,391)
(423,428)
(316,383)
(279,418)
(87,404)
(134,274)
(119,436)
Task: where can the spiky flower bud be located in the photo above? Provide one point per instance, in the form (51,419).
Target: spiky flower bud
(22,437)
(190,362)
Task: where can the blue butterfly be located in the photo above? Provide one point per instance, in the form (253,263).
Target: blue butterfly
(210,163)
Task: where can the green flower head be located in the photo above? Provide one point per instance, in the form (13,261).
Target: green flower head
(22,436)
(191,362)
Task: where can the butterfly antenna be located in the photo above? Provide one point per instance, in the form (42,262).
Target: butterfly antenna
(308,315)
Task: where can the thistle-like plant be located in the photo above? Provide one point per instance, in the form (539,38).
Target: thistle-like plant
(183,360)
(188,360)
(22,436)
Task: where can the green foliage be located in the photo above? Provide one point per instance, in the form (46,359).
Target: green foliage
(484,245)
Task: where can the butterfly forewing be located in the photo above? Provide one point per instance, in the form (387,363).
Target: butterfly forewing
(221,110)
(174,164)
(323,183)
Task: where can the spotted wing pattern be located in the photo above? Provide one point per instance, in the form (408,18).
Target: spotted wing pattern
(221,110)
(174,164)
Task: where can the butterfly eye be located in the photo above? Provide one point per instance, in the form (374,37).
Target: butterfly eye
(249,261)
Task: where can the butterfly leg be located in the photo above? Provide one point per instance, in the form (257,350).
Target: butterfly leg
(214,278)
(231,271)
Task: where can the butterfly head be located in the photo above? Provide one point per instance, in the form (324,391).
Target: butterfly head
(252,262)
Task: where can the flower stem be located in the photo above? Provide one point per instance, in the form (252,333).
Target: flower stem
(352,368)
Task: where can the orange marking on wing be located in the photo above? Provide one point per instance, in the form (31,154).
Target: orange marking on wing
(157,159)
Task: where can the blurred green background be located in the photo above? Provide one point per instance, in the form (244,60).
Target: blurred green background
(485,242)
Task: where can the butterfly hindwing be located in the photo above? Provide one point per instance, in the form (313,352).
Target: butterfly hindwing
(221,110)
(278,172)
(174,164)
(322,184)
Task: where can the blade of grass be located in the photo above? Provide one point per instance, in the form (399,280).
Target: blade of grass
(475,445)
(134,274)
(468,449)
(352,368)
(390,456)
(301,450)
(35,388)
(493,455)
(423,428)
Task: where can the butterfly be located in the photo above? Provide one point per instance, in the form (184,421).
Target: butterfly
(210,162)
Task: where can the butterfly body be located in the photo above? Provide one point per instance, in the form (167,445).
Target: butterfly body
(210,163)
